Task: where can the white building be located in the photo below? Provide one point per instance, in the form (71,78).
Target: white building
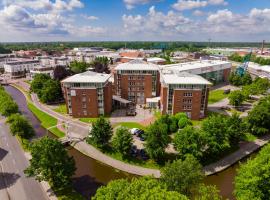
(257,70)
(42,70)
(19,67)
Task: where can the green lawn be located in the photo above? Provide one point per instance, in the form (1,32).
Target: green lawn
(46,120)
(130,125)
(62,109)
(216,95)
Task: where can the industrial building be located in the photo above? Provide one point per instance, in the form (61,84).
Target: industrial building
(257,70)
(88,94)
(216,71)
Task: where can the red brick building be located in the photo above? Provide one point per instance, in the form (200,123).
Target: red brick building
(184,92)
(136,81)
(88,94)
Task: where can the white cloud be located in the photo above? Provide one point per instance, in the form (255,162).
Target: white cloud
(181,5)
(90,17)
(130,4)
(156,23)
(198,13)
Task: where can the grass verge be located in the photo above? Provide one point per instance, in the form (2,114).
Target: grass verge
(46,120)
(216,96)
(62,109)
(249,137)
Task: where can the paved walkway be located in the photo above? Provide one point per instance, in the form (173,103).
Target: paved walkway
(92,152)
(233,158)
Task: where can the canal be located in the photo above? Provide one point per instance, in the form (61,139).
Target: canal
(91,174)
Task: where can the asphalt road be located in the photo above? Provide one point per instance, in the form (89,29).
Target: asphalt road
(13,183)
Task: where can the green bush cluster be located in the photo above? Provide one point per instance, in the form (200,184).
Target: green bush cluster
(252,179)
(257,87)
(217,135)
(7,105)
(47,89)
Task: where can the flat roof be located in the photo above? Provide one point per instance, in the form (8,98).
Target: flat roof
(87,77)
(265,68)
(155,59)
(137,64)
(210,65)
(171,77)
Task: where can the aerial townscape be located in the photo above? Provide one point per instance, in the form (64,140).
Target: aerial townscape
(134,99)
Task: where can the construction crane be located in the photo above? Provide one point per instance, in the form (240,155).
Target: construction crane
(241,70)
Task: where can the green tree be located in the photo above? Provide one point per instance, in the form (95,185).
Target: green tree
(183,122)
(78,67)
(207,192)
(173,126)
(253,178)
(100,133)
(258,119)
(183,176)
(139,188)
(101,65)
(50,162)
(157,139)
(246,79)
(51,92)
(38,82)
(217,137)
(236,128)
(122,141)
(8,108)
(189,141)
(180,115)
(236,98)
(20,126)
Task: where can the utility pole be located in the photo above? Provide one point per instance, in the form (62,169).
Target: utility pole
(262,50)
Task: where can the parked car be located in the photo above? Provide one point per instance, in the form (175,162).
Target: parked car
(133,131)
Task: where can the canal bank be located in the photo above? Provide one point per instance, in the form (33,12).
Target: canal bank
(91,174)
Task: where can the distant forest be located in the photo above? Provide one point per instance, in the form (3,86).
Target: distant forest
(170,46)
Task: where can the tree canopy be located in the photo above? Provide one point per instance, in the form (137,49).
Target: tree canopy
(7,105)
(157,139)
(78,67)
(20,126)
(183,176)
(101,133)
(139,189)
(51,162)
(253,178)
(122,141)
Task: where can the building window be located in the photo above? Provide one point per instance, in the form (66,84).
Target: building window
(188,101)
(188,94)
(84,99)
(187,107)
(84,105)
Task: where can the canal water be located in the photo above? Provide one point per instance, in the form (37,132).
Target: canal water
(91,174)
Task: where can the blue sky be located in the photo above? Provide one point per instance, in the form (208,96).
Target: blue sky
(140,20)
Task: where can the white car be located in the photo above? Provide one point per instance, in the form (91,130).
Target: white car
(133,131)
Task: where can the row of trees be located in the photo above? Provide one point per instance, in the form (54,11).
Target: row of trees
(99,65)
(257,87)
(7,105)
(47,89)
(260,60)
(181,180)
(252,179)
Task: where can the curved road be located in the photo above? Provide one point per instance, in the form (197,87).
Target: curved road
(13,183)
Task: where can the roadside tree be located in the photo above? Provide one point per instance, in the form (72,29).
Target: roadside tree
(100,133)
(20,126)
(38,82)
(157,139)
(236,98)
(51,162)
(122,141)
(51,92)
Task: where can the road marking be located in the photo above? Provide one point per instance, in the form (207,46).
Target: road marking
(7,144)
(14,162)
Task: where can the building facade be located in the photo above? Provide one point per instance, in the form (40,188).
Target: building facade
(136,81)
(20,67)
(184,92)
(216,71)
(88,94)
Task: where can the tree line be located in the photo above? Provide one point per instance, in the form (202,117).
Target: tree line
(256,59)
